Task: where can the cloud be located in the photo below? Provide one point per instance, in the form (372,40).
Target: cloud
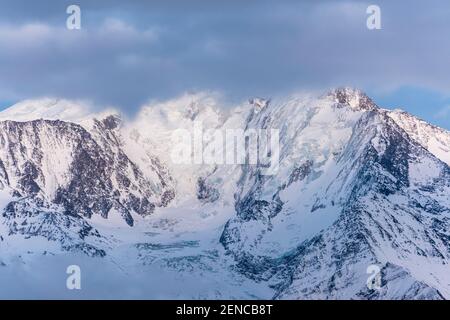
(39,59)
(130,52)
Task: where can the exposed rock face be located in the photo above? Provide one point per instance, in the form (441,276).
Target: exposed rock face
(34,218)
(86,173)
(206,193)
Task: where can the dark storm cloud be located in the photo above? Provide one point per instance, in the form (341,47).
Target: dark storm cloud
(130,51)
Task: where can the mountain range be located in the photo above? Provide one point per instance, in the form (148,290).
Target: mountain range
(357,186)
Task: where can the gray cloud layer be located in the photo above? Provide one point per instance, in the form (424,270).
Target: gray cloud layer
(128,52)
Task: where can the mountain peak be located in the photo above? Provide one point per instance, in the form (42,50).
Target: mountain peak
(354,98)
(78,112)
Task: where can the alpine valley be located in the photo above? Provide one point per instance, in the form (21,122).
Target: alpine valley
(357,186)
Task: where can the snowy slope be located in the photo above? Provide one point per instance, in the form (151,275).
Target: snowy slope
(432,138)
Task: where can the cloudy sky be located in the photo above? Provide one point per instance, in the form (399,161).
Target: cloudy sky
(130,52)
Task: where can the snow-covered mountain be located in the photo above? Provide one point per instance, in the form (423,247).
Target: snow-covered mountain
(356,186)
